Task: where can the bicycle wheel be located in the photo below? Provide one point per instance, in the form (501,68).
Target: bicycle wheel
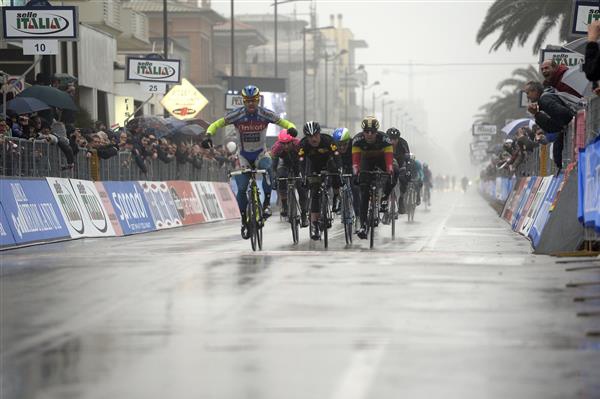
(293,215)
(325,217)
(251,224)
(259,226)
(393,214)
(372,207)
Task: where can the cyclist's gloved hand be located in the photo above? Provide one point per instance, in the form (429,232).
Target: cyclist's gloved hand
(293,132)
(207,143)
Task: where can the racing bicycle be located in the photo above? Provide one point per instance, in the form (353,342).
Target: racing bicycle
(255,220)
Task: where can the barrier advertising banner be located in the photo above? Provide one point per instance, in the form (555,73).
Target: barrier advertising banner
(530,198)
(589,186)
(6,237)
(209,200)
(163,209)
(186,202)
(227,200)
(95,215)
(535,205)
(513,201)
(130,206)
(69,206)
(108,207)
(522,200)
(544,213)
(31,211)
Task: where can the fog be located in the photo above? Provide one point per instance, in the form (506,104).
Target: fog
(452,76)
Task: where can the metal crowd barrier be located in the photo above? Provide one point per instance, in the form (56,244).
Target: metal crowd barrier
(23,158)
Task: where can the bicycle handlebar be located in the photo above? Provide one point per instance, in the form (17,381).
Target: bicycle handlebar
(247,171)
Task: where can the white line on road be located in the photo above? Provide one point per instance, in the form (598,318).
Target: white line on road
(359,376)
(438,232)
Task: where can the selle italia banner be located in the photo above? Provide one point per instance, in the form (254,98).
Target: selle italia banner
(150,70)
(40,22)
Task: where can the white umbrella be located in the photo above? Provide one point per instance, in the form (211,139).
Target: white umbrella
(576,79)
(512,127)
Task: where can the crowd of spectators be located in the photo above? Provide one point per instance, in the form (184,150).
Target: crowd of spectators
(141,145)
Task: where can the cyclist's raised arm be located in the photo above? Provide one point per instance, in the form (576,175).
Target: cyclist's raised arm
(284,123)
(212,128)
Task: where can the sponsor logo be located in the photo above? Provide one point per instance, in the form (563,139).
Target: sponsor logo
(186,205)
(594,15)
(130,206)
(184,111)
(93,208)
(68,203)
(40,23)
(251,127)
(154,70)
(32,218)
(209,199)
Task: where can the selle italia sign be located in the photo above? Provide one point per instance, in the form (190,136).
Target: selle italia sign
(40,22)
(149,70)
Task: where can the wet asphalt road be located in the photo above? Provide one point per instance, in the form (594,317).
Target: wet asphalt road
(455,307)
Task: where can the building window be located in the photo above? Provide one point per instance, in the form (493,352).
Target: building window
(102,106)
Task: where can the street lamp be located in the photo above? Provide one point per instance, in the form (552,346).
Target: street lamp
(347,91)
(304,32)
(362,102)
(385,93)
(327,59)
(275,31)
(383,104)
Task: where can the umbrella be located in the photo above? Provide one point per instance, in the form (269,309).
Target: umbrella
(64,79)
(25,105)
(191,130)
(51,96)
(150,124)
(576,79)
(511,128)
(577,46)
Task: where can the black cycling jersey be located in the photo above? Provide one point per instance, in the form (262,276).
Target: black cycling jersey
(401,151)
(319,155)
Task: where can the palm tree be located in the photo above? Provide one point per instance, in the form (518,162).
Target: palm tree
(518,19)
(520,76)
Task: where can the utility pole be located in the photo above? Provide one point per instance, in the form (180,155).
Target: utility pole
(232,49)
(275,39)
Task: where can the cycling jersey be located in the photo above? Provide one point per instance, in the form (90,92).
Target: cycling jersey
(380,149)
(252,128)
(416,170)
(401,151)
(288,157)
(319,155)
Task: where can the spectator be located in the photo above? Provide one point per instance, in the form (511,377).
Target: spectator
(551,114)
(553,74)
(591,65)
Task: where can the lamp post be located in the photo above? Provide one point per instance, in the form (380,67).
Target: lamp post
(383,104)
(362,101)
(304,32)
(347,91)
(275,32)
(327,59)
(385,93)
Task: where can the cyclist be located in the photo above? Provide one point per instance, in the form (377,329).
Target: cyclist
(371,149)
(415,174)
(343,141)
(285,161)
(321,153)
(251,122)
(427,182)
(401,152)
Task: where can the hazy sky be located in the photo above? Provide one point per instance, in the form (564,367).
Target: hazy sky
(424,32)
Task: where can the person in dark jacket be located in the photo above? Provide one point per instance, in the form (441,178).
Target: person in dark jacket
(551,114)
(553,74)
(591,65)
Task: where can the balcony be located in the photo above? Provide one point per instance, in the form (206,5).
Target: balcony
(101,14)
(135,27)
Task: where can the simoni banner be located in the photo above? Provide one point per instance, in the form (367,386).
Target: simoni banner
(564,57)
(150,70)
(40,22)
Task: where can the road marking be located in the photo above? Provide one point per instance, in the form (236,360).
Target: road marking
(359,376)
(438,232)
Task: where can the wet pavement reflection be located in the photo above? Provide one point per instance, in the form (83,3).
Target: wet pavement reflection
(455,307)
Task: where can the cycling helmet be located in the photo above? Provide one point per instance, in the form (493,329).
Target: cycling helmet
(284,137)
(370,123)
(311,128)
(341,134)
(393,133)
(250,92)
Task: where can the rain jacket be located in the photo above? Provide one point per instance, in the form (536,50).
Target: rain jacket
(556,81)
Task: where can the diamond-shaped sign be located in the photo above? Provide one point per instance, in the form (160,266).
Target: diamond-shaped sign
(184,101)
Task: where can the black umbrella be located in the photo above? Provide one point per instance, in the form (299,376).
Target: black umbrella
(51,96)
(25,105)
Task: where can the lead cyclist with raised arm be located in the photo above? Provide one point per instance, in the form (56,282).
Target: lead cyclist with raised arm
(251,122)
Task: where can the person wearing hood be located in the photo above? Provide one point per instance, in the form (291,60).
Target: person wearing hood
(553,74)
